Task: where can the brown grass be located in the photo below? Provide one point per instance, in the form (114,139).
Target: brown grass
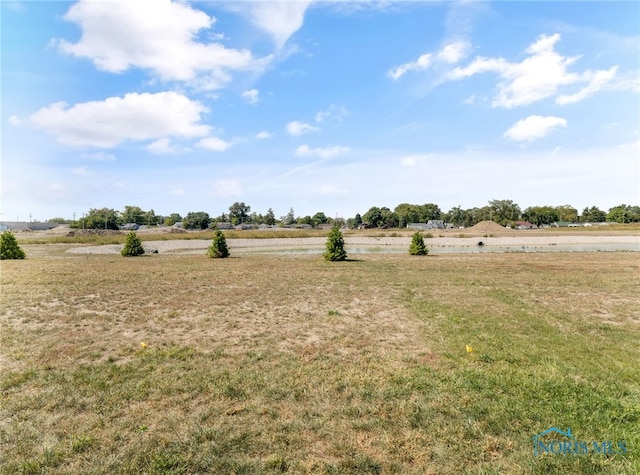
(264,364)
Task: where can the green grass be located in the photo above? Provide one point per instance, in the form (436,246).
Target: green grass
(289,364)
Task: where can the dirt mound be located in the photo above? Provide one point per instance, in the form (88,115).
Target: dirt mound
(487,227)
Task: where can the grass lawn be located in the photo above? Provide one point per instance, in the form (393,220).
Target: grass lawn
(167,364)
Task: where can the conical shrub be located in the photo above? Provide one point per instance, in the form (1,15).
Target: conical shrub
(9,248)
(218,248)
(132,246)
(335,245)
(417,247)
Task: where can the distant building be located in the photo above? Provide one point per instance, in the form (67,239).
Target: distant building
(130,227)
(525,225)
(431,224)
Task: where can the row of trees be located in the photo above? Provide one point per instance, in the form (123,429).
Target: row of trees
(504,212)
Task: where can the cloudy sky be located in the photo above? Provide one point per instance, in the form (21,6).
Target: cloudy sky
(317,106)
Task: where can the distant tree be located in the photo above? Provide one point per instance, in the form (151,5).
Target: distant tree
(172,219)
(150,218)
(319,218)
(455,216)
(60,221)
(428,211)
(335,246)
(504,212)
(9,248)
(218,248)
(567,213)
(290,218)
(624,214)
(132,246)
(238,212)
(197,220)
(373,217)
(406,214)
(104,218)
(357,220)
(417,247)
(133,214)
(593,215)
(270,218)
(540,215)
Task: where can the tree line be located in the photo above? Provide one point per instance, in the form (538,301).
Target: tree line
(503,212)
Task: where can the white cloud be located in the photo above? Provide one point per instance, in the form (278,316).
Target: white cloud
(454,52)
(82,171)
(280,19)
(251,96)
(413,160)
(299,128)
(326,152)
(100,156)
(334,112)
(162,146)
(596,79)
(449,54)
(15,121)
(227,188)
(107,123)
(538,76)
(332,190)
(534,127)
(177,192)
(264,135)
(214,144)
(155,35)
(423,62)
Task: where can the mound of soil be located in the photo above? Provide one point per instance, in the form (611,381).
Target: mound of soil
(487,227)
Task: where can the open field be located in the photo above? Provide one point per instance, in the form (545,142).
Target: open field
(285,363)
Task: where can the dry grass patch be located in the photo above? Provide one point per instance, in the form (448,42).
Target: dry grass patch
(271,364)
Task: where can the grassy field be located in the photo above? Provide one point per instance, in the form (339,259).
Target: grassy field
(268,364)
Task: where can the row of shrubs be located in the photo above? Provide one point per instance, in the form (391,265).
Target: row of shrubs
(335,251)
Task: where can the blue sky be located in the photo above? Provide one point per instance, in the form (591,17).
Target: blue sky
(317,106)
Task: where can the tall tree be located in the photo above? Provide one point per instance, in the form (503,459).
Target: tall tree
(540,215)
(567,213)
(172,219)
(133,214)
(406,214)
(504,212)
(456,216)
(429,211)
(593,215)
(239,212)
(624,214)
(270,217)
(197,220)
(104,218)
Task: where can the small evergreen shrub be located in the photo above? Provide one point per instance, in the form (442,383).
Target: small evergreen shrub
(335,245)
(9,248)
(218,247)
(417,247)
(132,246)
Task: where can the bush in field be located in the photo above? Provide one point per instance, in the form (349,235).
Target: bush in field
(132,246)
(9,248)
(219,246)
(417,247)
(335,246)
